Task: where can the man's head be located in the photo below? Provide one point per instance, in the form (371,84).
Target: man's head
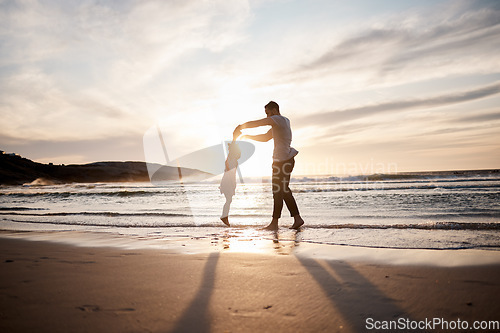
(272,109)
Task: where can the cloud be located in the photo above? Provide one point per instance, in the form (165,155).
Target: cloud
(411,46)
(484,117)
(70,69)
(34,104)
(339,116)
(36,30)
(93,74)
(117,147)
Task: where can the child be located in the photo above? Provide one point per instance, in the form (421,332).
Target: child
(228,182)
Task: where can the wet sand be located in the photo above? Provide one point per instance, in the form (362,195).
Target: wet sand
(49,287)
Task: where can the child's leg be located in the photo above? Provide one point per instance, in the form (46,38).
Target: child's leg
(225,209)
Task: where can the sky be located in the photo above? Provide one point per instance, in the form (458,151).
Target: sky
(369,86)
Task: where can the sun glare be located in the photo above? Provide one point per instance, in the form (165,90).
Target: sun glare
(260,164)
(246,240)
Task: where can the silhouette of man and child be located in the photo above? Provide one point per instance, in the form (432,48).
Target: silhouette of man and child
(283,163)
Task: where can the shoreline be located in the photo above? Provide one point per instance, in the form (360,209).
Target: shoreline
(264,243)
(52,287)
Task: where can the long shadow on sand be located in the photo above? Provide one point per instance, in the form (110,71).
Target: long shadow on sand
(354,296)
(196,318)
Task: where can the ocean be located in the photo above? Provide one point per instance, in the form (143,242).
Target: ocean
(431,211)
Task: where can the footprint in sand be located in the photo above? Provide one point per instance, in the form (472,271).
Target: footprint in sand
(97,308)
(89,308)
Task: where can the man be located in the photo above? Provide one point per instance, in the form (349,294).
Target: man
(283,160)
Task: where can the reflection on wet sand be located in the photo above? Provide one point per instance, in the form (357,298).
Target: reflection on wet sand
(284,245)
(250,240)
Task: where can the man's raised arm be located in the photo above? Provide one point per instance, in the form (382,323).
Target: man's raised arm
(256,123)
(252,124)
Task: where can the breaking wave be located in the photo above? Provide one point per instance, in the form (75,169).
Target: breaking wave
(355,226)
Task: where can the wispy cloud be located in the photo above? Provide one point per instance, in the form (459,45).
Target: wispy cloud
(483,117)
(412,46)
(339,116)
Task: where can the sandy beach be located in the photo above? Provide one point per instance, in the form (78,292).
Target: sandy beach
(50,287)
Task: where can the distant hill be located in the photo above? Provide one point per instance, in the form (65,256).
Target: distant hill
(17,170)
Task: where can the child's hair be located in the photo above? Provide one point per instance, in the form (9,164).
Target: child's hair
(234,151)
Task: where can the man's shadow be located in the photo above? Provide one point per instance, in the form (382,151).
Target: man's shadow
(353,295)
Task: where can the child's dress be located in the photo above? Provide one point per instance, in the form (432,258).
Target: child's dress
(228,182)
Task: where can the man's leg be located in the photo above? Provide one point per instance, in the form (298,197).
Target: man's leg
(278,189)
(281,192)
(291,204)
(277,195)
(287,193)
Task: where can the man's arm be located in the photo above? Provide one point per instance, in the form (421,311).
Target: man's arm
(252,124)
(261,137)
(257,123)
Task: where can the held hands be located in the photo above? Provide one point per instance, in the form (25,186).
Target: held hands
(237,132)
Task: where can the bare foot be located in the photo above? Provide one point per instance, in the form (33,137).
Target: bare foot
(225,220)
(297,223)
(272,226)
